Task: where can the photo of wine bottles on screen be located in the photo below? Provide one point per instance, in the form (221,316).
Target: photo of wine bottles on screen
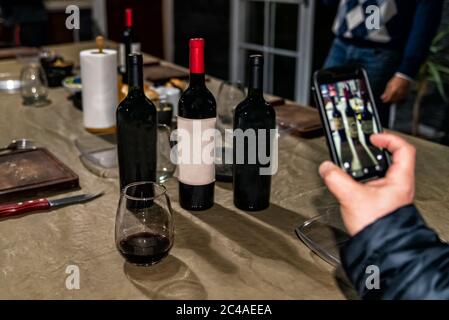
(351,120)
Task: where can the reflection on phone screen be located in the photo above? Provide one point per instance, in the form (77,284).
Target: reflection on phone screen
(350,115)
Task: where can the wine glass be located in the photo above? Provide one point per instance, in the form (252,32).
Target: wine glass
(229,96)
(144,229)
(165,167)
(34,85)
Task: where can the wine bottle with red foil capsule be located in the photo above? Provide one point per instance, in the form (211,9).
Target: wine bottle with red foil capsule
(129,44)
(196,140)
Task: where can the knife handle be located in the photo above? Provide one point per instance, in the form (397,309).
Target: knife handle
(12,209)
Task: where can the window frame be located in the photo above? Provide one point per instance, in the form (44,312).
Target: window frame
(302,54)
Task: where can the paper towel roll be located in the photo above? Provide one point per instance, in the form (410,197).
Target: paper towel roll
(99,88)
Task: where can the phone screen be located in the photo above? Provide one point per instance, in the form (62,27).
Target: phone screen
(351,119)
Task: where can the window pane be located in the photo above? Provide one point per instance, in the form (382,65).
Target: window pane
(254,22)
(285,25)
(284,76)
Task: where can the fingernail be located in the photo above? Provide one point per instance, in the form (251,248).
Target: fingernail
(324,167)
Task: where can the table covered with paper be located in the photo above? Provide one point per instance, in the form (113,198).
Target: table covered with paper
(222,253)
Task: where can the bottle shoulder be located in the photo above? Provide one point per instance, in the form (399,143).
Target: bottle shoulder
(136,103)
(255,106)
(197,102)
(254,114)
(197,93)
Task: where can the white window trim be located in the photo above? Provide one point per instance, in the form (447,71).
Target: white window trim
(303,53)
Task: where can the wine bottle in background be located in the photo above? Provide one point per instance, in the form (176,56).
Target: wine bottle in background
(366,115)
(197,114)
(337,121)
(353,139)
(136,129)
(129,44)
(251,189)
(351,115)
(337,127)
(367,122)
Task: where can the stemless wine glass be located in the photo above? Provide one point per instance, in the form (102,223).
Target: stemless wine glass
(34,85)
(229,96)
(165,167)
(144,229)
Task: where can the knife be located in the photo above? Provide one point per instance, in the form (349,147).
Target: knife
(12,209)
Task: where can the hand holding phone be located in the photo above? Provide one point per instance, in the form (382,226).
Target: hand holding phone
(364,203)
(349,118)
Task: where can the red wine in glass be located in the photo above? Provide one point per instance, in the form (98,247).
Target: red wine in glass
(144,231)
(144,248)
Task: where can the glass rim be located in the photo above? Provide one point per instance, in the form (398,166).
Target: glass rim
(162,191)
(32,64)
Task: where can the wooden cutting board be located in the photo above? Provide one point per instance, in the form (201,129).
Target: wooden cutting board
(31,172)
(299,120)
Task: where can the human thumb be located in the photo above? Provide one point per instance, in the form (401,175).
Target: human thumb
(339,183)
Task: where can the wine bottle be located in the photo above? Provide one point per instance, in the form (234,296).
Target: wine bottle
(352,135)
(337,127)
(128,45)
(197,114)
(251,189)
(337,121)
(136,129)
(366,115)
(351,115)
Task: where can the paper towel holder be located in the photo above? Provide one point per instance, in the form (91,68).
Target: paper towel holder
(99,40)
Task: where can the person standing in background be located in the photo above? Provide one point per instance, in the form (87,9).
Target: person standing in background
(390,39)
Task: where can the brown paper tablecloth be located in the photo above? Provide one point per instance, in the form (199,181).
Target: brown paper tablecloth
(222,253)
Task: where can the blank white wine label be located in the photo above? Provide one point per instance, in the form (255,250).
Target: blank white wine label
(196,151)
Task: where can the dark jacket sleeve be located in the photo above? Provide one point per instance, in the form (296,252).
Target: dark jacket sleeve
(413,262)
(425,25)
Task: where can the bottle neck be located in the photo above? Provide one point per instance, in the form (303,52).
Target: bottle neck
(135,78)
(197,77)
(255,82)
(197,80)
(128,18)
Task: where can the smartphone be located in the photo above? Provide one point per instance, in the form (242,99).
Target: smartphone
(348,111)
